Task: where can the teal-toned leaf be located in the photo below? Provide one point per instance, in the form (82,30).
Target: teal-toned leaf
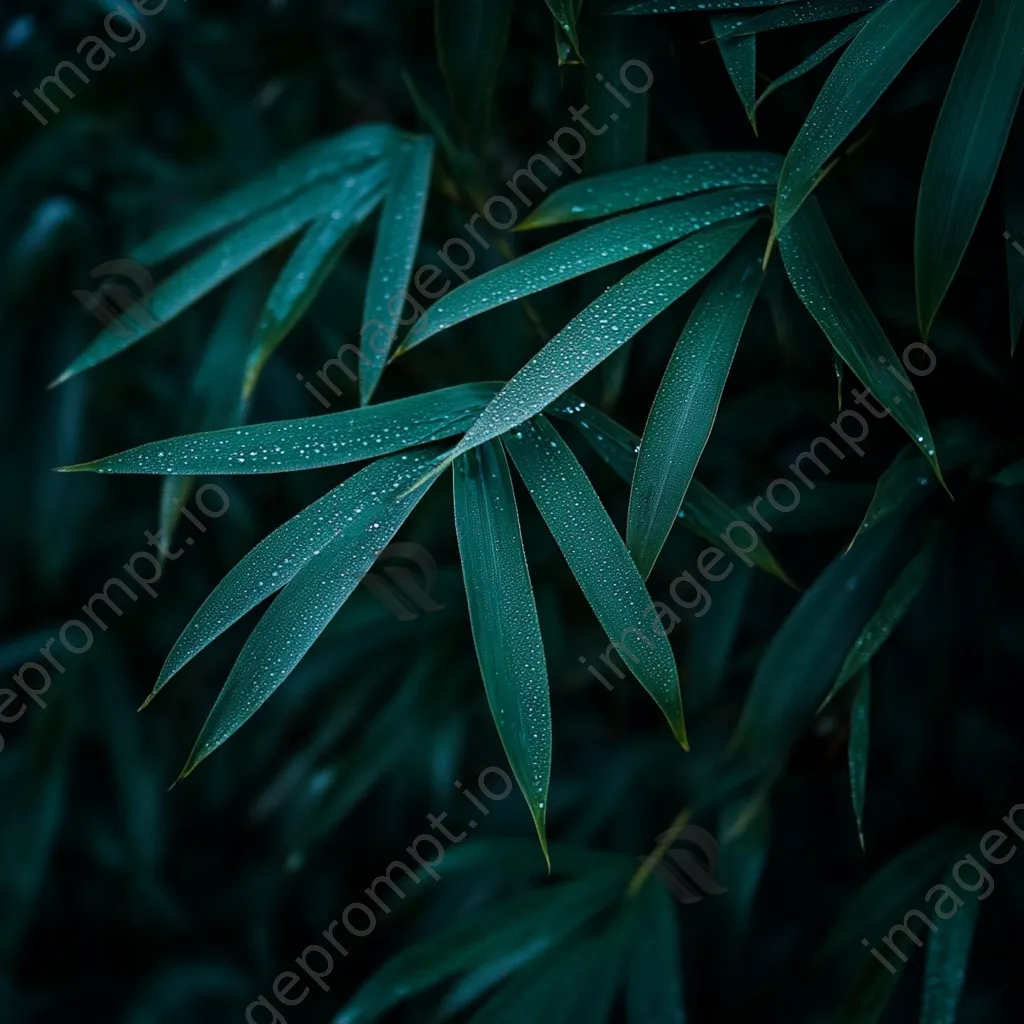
(223,260)
(945,967)
(890,614)
(859,747)
(526,926)
(674,6)
(745,830)
(674,178)
(377,500)
(804,656)
(326,158)
(702,512)
(586,250)
(654,991)
(1014,233)
(837,42)
(878,53)
(803,12)
(869,995)
(608,322)
(503,615)
(301,279)
(565,13)
(969,139)
(310,442)
(599,561)
(739,54)
(471,39)
(1010,476)
(684,409)
(398,237)
(824,284)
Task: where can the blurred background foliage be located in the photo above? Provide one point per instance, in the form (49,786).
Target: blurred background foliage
(122,901)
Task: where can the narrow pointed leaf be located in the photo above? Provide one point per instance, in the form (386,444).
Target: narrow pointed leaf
(301,279)
(597,246)
(378,501)
(503,615)
(326,158)
(654,992)
(1010,476)
(824,284)
(837,42)
(859,747)
(398,237)
(673,178)
(565,13)
(969,139)
(945,967)
(890,614)
(892,35)
(702,511)
(686,404)
(526,925)
(599,561)
(608,322)
(739,53)
(311,442)
(802,12)
(674,6)
(221,261)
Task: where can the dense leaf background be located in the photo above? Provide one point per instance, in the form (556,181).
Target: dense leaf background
(123,901)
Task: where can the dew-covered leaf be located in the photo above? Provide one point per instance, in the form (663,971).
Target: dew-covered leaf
(349,536)
(565,13)
(586,250)
(968,143)
(503,616)
(859,747)
(739,54)
(398,237)
(326,158)
(685,406)
(674,178)
(223,260)
(310,442)
(599,561)
(675,6)
(802,12)
(874,58)
(823,282)
(608,322)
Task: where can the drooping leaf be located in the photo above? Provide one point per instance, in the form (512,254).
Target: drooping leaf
(674,6)
(377,500)
(837,42)
(599,561)
(945,967)
(878,53)
(586,250)
(503,615)
(526,926)
(684,409)
(969,139)
(608,322)
(311,442)
(824,284)
(673,178)
(859,747)
(802,12)
(654,993)
(326,158)
(565,13)
(702,512)
(398,237)
(301,279)
(471,39)
(890,614)
(739,53)
(223,260)
(745,830)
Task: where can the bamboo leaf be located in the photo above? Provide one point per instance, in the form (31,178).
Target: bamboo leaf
(653,989)
(336,556)
(965,151)
(310,442)
(565,13)
(673,178)
(599,561)
(739,53)
(803,12)
(824,284)
(684,409)
(892,35)
(608,322)
(398,237)
(945,966)
(597,246)
(503,614)
(674,6)
(859,747)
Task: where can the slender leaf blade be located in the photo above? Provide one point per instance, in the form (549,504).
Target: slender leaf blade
(945,968)
(739,54)
(859,747)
